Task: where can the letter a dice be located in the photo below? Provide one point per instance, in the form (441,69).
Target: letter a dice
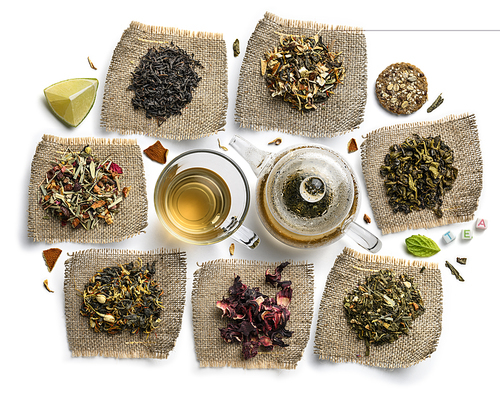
(481,224)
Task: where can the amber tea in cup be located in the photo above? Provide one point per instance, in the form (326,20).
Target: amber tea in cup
(202,205)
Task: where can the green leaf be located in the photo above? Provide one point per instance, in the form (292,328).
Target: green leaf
(419,245)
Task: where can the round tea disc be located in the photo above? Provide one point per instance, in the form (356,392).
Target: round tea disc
(401,88)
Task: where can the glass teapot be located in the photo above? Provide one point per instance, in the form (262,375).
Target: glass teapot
(307,195)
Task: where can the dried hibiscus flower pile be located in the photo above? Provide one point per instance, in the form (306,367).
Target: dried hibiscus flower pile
(259,320)
(80,189)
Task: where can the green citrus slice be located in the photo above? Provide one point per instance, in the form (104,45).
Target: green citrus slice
(71,100)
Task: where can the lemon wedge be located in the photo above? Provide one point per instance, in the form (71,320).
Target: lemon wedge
(71,100)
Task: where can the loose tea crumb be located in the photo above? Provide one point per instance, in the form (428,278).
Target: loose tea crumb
(401,88)
(352,146)
(302,71)
(222,147)
(231,249)
(82,190)
(51,255)
(46,285)
(157,152)
(366,218)
(276,142)
(462,261)
(382,308)
(123,298)
(454,271)
(439,100)
(258,320)
(236,48)
(91,64)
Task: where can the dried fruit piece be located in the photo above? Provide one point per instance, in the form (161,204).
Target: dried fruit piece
(51,255)
(366,218)
(352,146)
(231,249)
(157,152)
(46,285)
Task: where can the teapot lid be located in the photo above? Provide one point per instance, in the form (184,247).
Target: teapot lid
(310,190)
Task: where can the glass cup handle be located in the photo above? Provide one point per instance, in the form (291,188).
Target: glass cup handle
(245,236)
(364,238)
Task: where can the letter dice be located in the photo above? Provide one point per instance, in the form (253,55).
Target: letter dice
(481,224)
(448,237)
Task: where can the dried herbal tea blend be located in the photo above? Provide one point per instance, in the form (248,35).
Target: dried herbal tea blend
(123,298)
(82,190)
(382,309)
(401,88)
(259,321)
(302,71)
(417,173)
(164,82)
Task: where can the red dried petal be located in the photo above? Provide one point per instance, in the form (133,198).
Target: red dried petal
(115,168)
(284,297)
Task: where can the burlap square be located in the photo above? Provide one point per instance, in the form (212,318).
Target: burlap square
(335,340)
(211,283)
(170,276)
(341,113)
(205,115)
(460,203)
(129,221)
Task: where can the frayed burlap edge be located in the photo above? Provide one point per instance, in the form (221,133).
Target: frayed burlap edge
(385,262)
(412,220)
(318,132)
(33,232)
(95,352)
(262,360)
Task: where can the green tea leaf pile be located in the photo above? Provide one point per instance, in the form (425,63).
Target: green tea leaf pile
(417,173)
(123,298)
(382,309)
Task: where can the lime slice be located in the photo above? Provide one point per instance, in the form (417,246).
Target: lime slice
(71,100)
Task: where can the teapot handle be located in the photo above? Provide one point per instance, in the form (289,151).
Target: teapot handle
(364,238)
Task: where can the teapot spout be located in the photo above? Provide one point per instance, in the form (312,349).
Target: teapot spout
(254,156)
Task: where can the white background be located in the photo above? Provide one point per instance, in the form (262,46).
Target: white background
(454,43)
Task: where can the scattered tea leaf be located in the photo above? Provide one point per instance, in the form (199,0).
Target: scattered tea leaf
(236,48)
(46,285)
(51,255)
(454,271)
(352,146)
(222,147)
(91,64)
(366,218)
(231,249)
(157,152)
(462,261)
(423,246)
(276,141)
(439,100)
